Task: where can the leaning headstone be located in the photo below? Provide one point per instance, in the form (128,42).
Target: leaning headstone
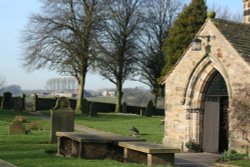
(7,101)
(62,118)
(17,127)
(150,109)
(93,110)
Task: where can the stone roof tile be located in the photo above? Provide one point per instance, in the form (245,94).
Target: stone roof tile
(238,34)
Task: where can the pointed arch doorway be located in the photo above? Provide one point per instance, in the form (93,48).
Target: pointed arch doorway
(215,117)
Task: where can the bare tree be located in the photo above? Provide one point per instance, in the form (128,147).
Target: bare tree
(62,84)
(159,15)
(62,38)
(2,81)
(224,13)
(119,45)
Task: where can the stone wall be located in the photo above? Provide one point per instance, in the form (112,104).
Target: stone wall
(184,89)
(40,103)
(15,103)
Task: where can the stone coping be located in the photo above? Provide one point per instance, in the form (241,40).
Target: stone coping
(147,147)
(96,138)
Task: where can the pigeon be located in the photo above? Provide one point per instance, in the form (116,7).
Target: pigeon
(135,131)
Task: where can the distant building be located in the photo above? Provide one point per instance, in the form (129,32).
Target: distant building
(108,93)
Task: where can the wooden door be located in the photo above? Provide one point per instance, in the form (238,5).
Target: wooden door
(211,125)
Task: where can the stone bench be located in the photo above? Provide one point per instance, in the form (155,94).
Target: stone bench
(91,145)
(148,153)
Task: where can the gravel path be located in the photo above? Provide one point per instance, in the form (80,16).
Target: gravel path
(195,159)
(6,164)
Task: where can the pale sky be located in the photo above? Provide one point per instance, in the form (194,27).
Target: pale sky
(14,16)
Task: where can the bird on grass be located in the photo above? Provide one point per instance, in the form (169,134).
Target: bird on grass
(135,131)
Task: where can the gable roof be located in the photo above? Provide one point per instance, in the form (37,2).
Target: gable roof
(238,34)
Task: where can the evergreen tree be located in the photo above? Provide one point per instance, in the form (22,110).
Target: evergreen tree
(182,32)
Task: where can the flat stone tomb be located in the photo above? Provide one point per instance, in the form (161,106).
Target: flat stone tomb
(148,153)
(91,145)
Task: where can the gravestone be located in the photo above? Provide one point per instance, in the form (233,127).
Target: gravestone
(21,118)
(85,106)
(7,101)
(124,107)
(93,110)
(150,109)
(18,103)
(62,118)
(17,127)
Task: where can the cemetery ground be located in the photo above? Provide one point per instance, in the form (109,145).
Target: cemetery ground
(34,150)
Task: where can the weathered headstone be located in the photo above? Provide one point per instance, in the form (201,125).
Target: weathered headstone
(7,101)
(124,107)
(93,110)
(62,118)
(18,103)
(17,127)
(21,118)
(85,106)
(150,109)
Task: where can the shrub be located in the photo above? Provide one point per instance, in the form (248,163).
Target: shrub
(192,146)
(232,155)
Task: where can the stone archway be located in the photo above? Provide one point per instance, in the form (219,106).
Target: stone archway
(205,104)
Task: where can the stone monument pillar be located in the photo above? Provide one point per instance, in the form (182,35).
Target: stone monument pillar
(62,118)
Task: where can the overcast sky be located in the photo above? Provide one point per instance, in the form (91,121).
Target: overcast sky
(14,15)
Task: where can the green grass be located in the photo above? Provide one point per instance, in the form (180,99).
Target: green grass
(149,127)
(243,163)
(102,99)
(30,150)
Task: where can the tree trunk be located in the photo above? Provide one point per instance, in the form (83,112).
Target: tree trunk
(80,95)
(119,94)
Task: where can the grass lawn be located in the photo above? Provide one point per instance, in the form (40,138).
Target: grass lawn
(150,127)
(102,99)
(30,150)
(244,163)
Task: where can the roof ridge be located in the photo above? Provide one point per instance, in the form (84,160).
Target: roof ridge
(230,22)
